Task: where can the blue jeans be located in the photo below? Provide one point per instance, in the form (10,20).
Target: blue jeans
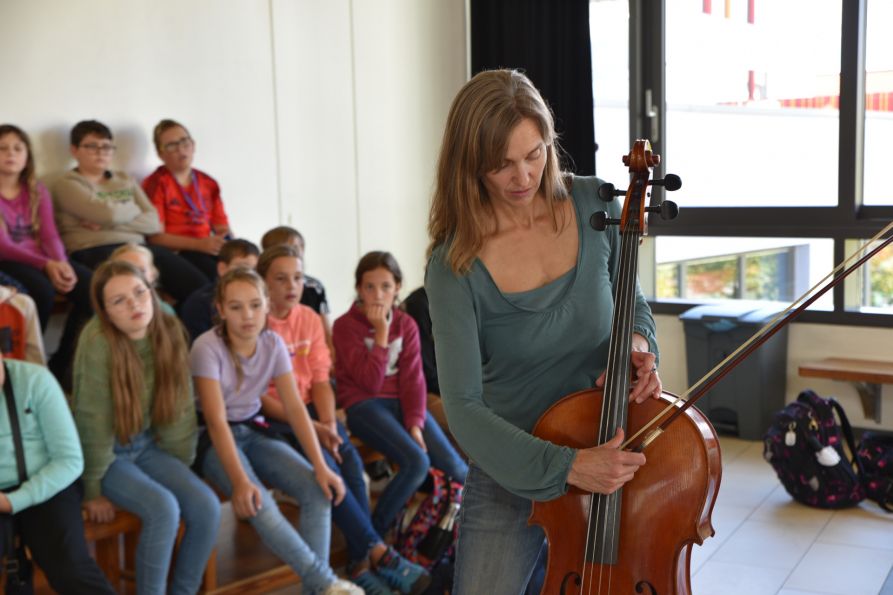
(497,550)
(272,462)
(352,516)
(160,489)
(379,423)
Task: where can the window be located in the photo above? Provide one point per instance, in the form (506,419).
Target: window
(764,120)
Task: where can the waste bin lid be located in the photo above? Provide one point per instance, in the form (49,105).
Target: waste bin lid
(735,311)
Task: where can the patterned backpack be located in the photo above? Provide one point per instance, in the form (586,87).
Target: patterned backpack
(875,453)
(419,538)
(804,445)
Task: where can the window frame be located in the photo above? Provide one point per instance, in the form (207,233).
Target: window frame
(850,219)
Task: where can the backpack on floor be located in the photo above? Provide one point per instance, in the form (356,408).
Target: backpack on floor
(427,534)
(875,453)
(804,444)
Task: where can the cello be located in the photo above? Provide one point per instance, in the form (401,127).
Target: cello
(639,538)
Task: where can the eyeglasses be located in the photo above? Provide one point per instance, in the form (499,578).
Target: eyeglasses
(119,302)
(184,143)
(94,148)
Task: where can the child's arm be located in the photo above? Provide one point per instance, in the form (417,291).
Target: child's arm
(246,496)
(302,426)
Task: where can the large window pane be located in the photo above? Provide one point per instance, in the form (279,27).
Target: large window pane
(703,269)
(878,103)
(752,101)
(609,34)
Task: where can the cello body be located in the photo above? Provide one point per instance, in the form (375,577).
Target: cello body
(665,508)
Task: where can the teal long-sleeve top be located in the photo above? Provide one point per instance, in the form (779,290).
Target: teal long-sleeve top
(503,359)
(94,407)
(53,458)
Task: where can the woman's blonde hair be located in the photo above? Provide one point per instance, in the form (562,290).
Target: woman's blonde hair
(27,178)
(138,249)
(235,274)
(482,117)
(167,337)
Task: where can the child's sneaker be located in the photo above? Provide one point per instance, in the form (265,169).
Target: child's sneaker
(343,587)
(371,583)
(401,574)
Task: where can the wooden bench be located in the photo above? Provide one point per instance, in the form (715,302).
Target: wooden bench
(865,375)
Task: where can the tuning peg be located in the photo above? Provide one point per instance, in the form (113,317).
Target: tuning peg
(667,210)
(607,192)
(671,182)
(599,221)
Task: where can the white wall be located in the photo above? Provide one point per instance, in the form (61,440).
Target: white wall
(806,342)
(322,114)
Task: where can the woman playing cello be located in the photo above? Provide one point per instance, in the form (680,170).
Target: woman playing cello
(520,293)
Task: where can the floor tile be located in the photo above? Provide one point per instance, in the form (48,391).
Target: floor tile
(767,545)
(779,507)
(864,526)
(843,569)
(721,578)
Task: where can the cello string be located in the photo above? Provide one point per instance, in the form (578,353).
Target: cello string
(608,423)
(759,333)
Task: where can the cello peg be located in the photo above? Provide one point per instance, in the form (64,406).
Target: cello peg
(607,192)
(670,181)
(667,209)
(600,221)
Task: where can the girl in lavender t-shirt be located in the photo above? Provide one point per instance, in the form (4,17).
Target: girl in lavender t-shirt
(232,365)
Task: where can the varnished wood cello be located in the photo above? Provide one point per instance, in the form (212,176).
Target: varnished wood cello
(638,539)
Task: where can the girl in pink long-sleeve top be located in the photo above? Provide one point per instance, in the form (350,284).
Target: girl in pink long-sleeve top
(378,372)
(31,251)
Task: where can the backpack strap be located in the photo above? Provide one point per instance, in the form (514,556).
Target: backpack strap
(14,425)
(12,557)
(848,436)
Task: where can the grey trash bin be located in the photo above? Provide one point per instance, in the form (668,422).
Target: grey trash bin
(742,403)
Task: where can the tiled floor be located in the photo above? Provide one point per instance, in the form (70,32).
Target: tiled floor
(767,544)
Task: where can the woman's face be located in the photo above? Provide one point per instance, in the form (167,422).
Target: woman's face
(243,311)
(128,303)
(177,149)
(285,282)
(13,154)
(517,180)
(378,287)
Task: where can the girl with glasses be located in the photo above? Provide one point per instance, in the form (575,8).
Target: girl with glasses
(136,417)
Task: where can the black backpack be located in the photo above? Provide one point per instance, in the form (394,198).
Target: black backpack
(875,454)
(804,445)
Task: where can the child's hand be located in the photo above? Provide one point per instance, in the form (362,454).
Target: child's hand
(331,484)
(329,438)
(247,500)
(416,433)
(99,510)
(61,275)
(211,244)
(377,315)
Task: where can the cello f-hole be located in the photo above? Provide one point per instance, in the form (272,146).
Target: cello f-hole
(641,586)
(570,576)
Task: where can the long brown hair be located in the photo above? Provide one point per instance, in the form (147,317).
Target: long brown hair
(245,275)
(475,139)
(168,340)
(27,178)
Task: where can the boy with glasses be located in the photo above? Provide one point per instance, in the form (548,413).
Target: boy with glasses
(188,201)
(98,210)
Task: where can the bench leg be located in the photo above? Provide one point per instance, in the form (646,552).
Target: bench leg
(108,558)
